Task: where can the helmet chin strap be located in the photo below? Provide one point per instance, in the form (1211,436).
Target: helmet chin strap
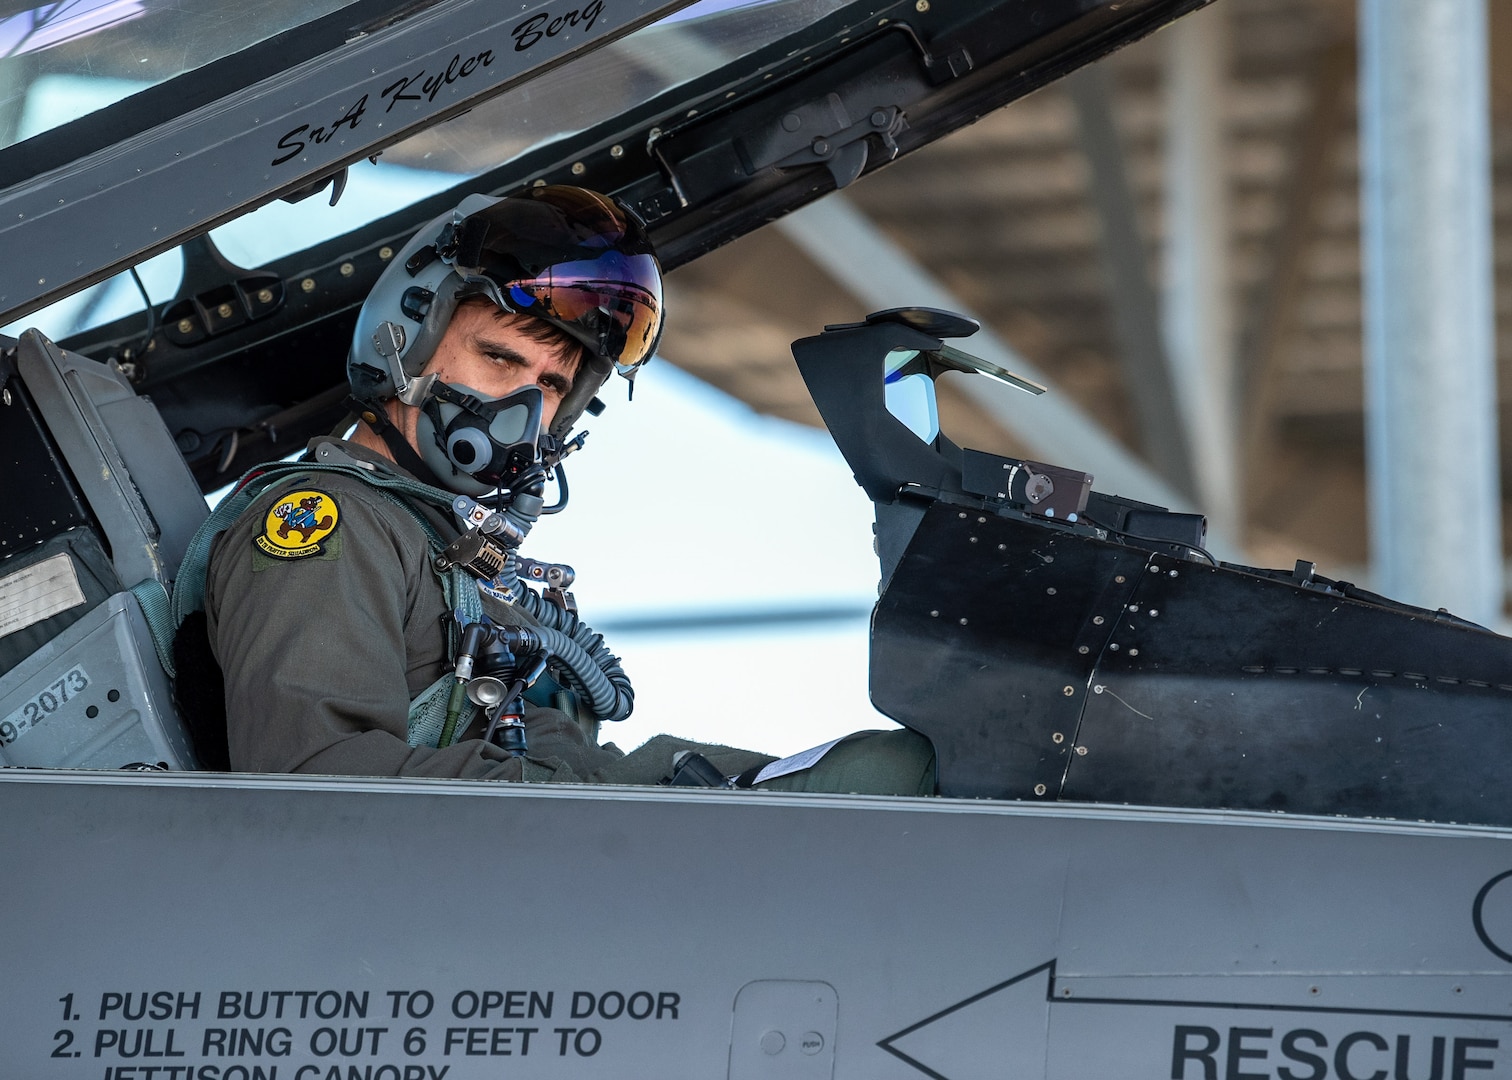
(375,416)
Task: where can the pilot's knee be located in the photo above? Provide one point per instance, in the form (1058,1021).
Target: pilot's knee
(897,762)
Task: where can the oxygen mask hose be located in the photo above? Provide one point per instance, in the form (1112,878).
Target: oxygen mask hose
(499,532)
(591,669)
(521,513)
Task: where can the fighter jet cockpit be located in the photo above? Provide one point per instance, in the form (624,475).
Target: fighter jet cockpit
(219,347)
(1108,626)
(1181,816)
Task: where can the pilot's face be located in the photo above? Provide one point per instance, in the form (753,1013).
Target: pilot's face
(490,354)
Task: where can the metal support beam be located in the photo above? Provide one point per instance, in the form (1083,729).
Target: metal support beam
(856,253)
(1198,324)
(1430,375)
(1135,302)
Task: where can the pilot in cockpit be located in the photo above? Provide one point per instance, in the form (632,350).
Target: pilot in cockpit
(372,608)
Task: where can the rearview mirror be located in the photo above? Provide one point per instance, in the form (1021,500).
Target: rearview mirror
(909,394)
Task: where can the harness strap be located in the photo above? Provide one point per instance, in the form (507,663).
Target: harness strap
(374,416)
(153,600)
(428,712)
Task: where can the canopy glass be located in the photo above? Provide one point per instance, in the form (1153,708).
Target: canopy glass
(687,45)
(62,61)
(682,47)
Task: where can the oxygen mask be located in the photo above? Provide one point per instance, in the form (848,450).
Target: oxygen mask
(477,444)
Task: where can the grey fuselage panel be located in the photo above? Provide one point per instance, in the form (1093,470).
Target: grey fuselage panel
(298,929)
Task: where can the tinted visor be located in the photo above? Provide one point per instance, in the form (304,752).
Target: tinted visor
(572,258)
(614,299)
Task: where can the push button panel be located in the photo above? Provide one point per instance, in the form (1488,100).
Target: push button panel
(784,1029)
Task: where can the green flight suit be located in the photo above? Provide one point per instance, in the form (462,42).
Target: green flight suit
(327,620)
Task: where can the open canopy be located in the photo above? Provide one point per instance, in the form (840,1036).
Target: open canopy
(133,126)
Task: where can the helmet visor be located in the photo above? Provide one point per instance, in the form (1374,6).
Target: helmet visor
(614,299)
(573,258)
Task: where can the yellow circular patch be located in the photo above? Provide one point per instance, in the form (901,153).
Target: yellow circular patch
(298,524)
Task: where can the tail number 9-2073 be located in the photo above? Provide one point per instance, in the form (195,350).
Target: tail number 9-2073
(43,705)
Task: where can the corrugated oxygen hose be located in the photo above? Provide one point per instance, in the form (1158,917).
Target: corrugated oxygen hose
(593,671)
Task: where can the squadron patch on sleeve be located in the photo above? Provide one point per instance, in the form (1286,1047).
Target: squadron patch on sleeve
(299,525)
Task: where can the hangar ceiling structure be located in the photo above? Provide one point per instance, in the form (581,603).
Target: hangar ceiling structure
(1052,220)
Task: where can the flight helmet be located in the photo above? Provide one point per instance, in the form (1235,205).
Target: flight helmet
(570,257)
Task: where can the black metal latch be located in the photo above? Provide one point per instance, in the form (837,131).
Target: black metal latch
(823,132)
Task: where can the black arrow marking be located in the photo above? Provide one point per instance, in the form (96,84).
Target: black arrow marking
(1048,969)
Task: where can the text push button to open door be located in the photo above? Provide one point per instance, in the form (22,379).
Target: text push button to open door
(784,1029)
